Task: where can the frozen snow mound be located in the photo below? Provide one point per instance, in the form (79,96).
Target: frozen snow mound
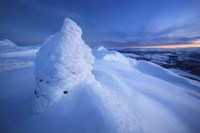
(99,48)
(101,53)
(62,63)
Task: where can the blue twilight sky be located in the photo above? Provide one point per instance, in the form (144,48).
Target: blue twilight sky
(104,22)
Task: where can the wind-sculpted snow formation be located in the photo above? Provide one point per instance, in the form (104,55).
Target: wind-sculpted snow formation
(62,63)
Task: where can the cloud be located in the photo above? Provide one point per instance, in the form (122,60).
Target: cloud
(184,30)
(114,22)
(50,7)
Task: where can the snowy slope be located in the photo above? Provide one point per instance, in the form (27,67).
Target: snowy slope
(126,96)
(13,56)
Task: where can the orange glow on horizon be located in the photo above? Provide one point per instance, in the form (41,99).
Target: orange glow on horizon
(195,44)
(170,46)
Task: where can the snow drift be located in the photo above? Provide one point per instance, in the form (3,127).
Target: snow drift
(103,54)
(62,63)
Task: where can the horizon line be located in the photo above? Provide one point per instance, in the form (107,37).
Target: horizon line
(170,46)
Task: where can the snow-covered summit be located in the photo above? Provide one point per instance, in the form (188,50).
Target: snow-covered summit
(62,63)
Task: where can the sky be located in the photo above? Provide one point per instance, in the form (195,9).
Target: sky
(112,23)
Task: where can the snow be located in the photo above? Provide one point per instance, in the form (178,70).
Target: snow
(108,92)
(185,74)
(102,53)
(62,63)
(4,44)
(160,57)
(13,56)
(131,55)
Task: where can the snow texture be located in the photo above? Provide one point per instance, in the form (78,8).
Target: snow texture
(115,94)
(102,53)
(4,44)
(14,57)
(62,63)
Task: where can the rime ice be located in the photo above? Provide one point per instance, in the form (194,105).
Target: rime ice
(63,62)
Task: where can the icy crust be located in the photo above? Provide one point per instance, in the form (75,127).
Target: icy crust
(63,62)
